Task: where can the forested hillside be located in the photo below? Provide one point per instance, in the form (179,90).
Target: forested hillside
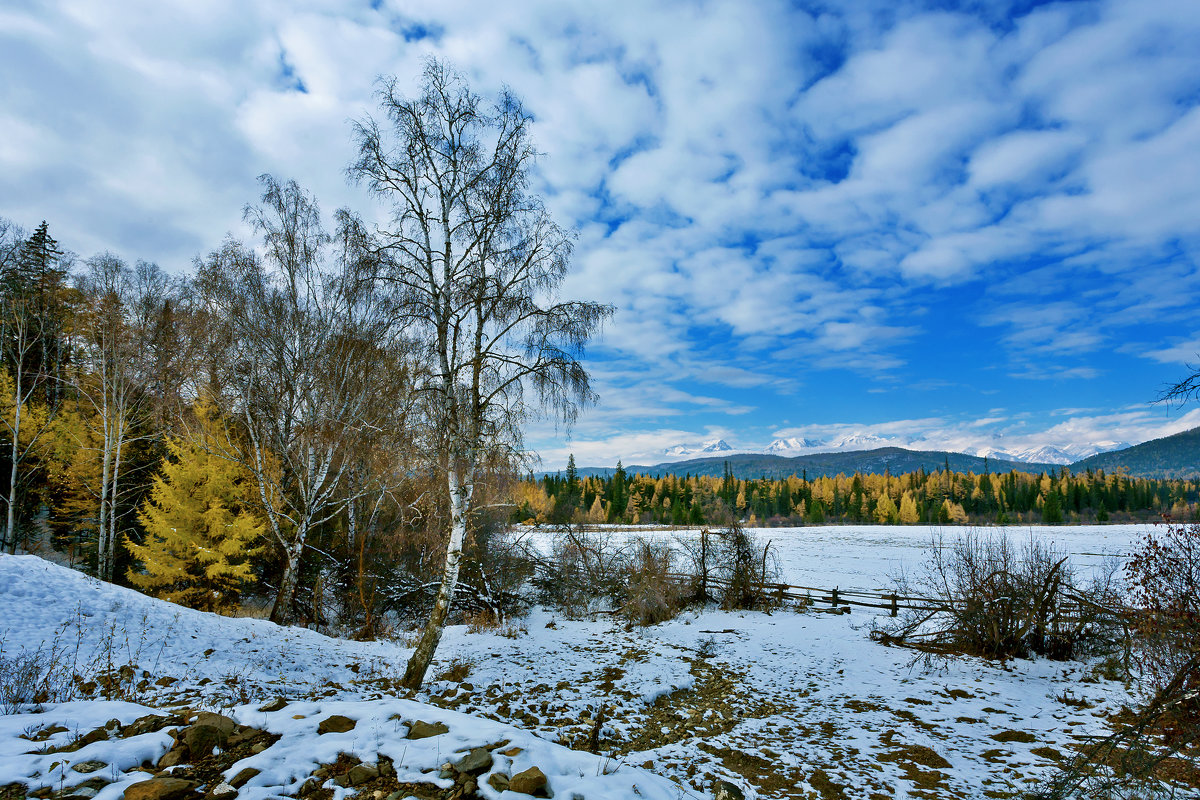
(1176,456)
(896,460)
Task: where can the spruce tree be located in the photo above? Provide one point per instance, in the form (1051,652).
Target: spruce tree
(200,535)
(1052,510)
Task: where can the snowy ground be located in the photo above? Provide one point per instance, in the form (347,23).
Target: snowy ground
(865,557)
(783,704)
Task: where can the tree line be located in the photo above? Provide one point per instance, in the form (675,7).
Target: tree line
(941,496)
(327,415)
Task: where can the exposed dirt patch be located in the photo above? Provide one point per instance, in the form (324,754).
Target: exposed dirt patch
(1047,752)
(765,775)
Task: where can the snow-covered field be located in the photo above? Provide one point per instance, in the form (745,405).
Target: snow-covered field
(866,557)
(782,704)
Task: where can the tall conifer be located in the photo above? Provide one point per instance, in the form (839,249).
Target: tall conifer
(200,534)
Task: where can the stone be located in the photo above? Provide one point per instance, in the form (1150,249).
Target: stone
(308,787)
(498,781)
(93,785)
(512,751)
(243,777)
(161,789)
(165,681)
(98,735)
(46,733)
(201,740)
(147,724)
(225,725)
(335,724)
(362,773)
(173,758)
(386,768)
(277,704)
(477,761)
(532,781)
(258,747)
(724,790)
(420,729)
(88,767)
(222,791)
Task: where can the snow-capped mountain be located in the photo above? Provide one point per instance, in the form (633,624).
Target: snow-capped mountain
(704,448)
(793,446)
(1067,454)
(864,441)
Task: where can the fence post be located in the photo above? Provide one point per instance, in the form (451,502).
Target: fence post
(895,605)
(834,601)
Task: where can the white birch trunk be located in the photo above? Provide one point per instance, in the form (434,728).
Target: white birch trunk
(10,530)
(102,549)
(291,575)
(460,502)
(111,539)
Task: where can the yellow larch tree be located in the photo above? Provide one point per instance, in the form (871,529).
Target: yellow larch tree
(201,532)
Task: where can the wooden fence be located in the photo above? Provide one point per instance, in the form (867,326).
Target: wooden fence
(891,602)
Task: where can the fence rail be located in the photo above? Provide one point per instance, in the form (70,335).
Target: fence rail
(887,601)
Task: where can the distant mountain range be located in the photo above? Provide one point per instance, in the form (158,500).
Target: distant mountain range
(714,446)
(1176,456)
(794,446)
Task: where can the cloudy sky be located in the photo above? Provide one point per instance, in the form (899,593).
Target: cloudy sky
(973,222)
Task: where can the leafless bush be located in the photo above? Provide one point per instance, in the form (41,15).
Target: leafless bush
(30,677)
(982,595)
(745,569)
(700,557)
(584,566)
(1155,748)
(1165,579)
(82,658)
(729,566)
(653,593)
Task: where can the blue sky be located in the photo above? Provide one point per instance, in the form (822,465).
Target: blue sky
(974,223)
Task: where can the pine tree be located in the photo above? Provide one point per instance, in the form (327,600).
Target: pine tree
(200,535)
(1052,509)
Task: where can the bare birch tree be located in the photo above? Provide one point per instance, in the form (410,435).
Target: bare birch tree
(302,324)
(477,261)
(24,423)
(116,325)
(31,321)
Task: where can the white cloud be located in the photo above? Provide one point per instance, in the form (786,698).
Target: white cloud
(750,207)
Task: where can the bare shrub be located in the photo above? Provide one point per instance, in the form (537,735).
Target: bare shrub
(1155,747)
(1165,579)
(653,593)
(700,557)
(584,566)
(745,569)
(32,676)
(984,596)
